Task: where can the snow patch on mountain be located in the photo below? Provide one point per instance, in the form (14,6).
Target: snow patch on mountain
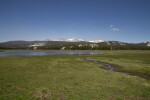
(70,40)
(97,41)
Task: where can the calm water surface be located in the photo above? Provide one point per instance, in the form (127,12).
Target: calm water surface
(40,53)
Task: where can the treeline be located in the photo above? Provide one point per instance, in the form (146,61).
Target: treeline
(99,47)
(83,47)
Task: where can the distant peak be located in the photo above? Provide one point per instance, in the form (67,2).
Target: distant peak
(97,41)
(70,40)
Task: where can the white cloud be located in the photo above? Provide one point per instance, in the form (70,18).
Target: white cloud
(111,25)
(115,29)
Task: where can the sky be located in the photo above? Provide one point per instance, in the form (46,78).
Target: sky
(115,20)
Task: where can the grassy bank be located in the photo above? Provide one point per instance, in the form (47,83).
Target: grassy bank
(129,61)
(70,78)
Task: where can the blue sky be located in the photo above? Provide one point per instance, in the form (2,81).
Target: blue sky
(120,20)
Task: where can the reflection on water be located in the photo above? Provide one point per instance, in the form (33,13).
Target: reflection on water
(39,53)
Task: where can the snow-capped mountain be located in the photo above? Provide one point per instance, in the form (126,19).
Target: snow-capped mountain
(97,41)
(69,40)
(78,40)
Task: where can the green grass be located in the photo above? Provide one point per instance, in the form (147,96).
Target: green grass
(132,61)
(70,78)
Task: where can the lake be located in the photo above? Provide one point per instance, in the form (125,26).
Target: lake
(43,52)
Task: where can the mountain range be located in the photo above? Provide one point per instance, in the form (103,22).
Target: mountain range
(74,44)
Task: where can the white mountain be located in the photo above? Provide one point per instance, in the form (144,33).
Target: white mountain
(70,40)
(78,40)
(97,41)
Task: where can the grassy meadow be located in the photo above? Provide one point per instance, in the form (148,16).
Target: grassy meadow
(68,77)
